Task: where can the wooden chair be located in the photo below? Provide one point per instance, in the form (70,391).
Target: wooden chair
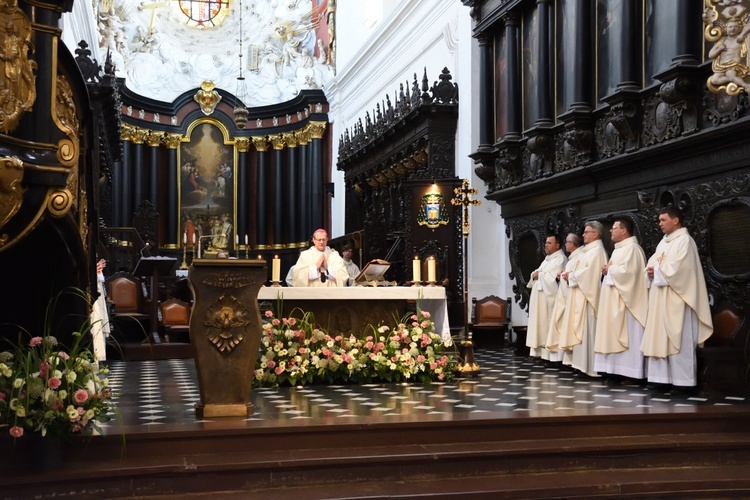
(175,320)
(490,319)
(126,293)
(723,359)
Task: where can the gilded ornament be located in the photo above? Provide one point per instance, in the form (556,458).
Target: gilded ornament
(242,144)
(227,322)
(207,98)
(277,141)
(11,189)
(65,107)
(316,129)
(260,143)
(729,28)
(172,141)
(17,80)
(290,138)
(59,202)
(229,279)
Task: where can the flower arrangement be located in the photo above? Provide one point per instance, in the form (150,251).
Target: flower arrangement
(295,351)
(47,389)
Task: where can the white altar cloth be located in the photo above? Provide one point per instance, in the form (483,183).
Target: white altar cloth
(429,298)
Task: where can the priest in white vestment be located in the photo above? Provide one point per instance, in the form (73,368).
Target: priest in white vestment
(351,268)
(679,316)
(623,306)
(573,245)
(100,327)
(542,292)
(579,323)
(319,265)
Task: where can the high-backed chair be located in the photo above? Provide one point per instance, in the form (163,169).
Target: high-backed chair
(724,359)
(126,293)
(175,320)
(490,319)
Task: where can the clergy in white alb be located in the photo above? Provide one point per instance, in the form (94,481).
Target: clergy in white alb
(573,246)
(679,316)
(542,292)
(579,323)
(623,305)
(320,265)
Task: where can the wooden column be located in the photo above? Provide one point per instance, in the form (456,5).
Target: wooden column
(136,164)
(544,58)
(261,200)
(317,129)
(292,182)
(277,141)
(153,141)
(303,231)
(172,142)
(243,204)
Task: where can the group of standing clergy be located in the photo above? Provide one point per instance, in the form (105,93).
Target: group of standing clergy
(621,315)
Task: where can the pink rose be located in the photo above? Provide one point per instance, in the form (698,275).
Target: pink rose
(302,350)
(81,396)
(276,322)
(292,321)
(35,341)
(420,358)
(433,366)
(269,314)
(43,370)
(278,370)
(441,376)
(414,316)
(63,355)
(425,314)
(271,363)
(54,382)
(16,431)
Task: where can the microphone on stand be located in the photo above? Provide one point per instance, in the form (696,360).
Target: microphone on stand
(145,247)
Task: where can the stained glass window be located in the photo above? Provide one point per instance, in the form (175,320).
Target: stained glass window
(203,13)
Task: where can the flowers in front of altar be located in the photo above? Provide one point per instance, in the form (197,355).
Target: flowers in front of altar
(50,390)
(295,351)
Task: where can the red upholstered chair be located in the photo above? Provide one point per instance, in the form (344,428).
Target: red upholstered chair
(490,319)
(723,361)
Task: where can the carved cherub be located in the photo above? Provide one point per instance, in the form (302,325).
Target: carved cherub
(731,61)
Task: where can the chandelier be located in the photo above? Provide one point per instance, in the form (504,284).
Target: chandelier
(240,111)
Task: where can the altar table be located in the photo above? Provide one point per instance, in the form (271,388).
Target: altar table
(350,309)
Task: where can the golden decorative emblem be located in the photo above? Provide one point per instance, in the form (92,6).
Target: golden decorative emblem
(207,98)
(65,107)
(59,202)
(229,279)
(11,190)
(17,81)
(227,321)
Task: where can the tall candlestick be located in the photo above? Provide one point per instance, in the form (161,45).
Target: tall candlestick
(416,270)
(276,269)
(431,269)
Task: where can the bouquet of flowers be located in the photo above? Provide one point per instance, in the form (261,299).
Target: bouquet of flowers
(47,389)
(295,351)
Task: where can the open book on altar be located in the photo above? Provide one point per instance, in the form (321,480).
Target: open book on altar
(372,274)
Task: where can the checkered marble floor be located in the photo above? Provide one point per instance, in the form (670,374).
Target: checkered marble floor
(155,394)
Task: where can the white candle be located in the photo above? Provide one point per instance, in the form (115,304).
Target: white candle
(431,269)
(416,270)
(236,240)
(184,238)
(193,239)
(245,240)
(276,269)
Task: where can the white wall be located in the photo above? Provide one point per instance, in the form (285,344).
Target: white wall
(373,57)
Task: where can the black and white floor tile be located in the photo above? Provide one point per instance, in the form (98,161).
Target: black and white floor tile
(164,393)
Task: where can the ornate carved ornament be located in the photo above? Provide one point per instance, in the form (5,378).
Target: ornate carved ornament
(11,191)
(207,98)
(432,210)
(17,80)
(226,323)
(728,26)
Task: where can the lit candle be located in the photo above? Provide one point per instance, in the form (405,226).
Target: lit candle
(276,269)
(416,270)
(246,240)
(260,257)
(431,269)
(184,238)
(236,240)
(193,239)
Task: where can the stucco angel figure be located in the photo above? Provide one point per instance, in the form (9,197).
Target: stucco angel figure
(731,58)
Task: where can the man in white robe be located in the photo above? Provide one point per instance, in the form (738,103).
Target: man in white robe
(679,316)
(573,245)
(542,293)
(351,268)
(579,323)
(319,265)
(623,306)
(100,327)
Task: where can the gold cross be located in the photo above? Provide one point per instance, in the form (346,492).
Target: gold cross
(463,198)
(153,6)
(661,258)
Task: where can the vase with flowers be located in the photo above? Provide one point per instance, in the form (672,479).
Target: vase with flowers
(51,391)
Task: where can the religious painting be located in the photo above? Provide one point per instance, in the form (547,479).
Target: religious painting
(207,188)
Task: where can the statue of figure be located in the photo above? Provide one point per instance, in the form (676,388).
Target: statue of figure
(731,58)
(322,52)
(221,232)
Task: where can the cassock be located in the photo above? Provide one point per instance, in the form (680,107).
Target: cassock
(679,316)
(543,291)
(579,324)
(558,310)
(306,270)
(623,306)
